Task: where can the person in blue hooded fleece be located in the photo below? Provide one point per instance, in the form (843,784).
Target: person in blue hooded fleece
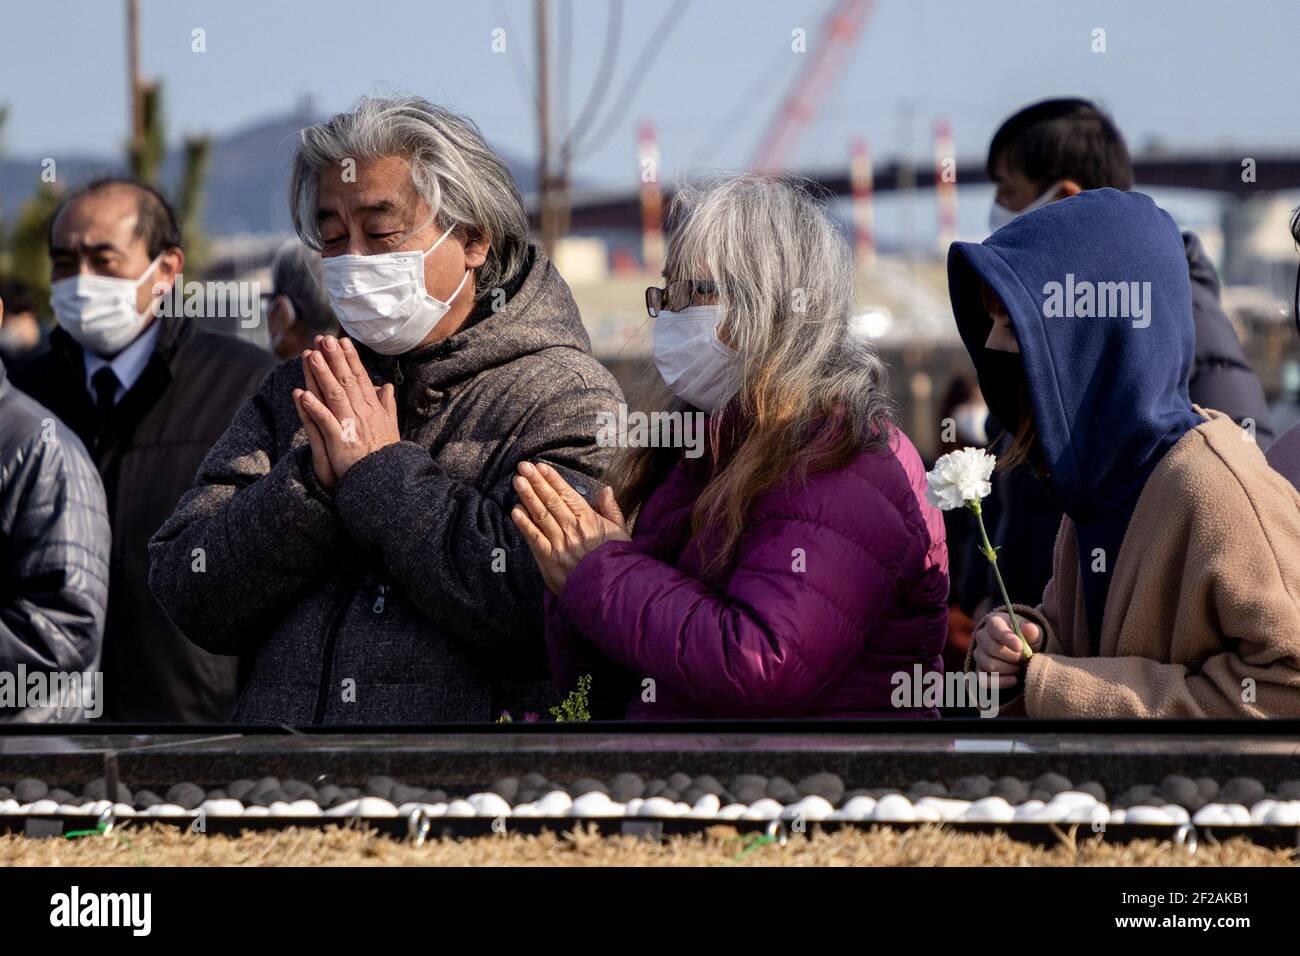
(1175,588)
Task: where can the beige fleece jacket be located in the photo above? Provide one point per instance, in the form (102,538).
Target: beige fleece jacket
(1202,615)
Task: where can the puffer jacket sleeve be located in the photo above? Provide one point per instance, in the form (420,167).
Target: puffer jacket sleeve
(450,545)
(254,533)
(55,522)
(1221,376)
(806,591)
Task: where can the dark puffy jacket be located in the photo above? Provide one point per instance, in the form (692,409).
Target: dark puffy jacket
(1221,379)
(54,542)
(406,595)
(147,457)
(839,583)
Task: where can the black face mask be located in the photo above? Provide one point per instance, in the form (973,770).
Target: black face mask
(1002,381)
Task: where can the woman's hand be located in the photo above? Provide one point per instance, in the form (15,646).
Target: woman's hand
(998,650)
(558,524)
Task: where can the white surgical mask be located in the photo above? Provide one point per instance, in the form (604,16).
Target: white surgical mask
(699,369)
(99,311)
(1000,215)
(381,299)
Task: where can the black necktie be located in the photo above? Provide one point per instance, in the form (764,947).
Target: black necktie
(105,383)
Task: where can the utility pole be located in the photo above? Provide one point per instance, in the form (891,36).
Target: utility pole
(545,214)
(133,77)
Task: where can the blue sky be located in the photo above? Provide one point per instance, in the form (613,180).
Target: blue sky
(1195,73)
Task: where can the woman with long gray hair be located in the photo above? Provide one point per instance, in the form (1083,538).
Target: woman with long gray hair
(791,569)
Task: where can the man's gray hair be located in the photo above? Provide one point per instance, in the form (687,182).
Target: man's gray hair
(296,272)
(466,184)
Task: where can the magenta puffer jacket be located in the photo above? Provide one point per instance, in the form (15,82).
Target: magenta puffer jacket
(838,583)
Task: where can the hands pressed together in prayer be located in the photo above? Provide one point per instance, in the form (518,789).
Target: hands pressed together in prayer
(558,524)
(346,416)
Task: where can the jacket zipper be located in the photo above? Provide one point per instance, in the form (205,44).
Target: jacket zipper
(331,639)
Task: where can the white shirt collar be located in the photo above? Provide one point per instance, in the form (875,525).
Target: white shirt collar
(128,365)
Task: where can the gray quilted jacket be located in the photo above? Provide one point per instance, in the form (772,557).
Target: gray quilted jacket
(407,595)
(54,546)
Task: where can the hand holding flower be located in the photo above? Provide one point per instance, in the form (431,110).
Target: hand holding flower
(961,478)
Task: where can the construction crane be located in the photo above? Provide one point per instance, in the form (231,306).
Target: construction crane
(821,65)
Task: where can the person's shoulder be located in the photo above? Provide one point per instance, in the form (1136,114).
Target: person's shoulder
(30,430)
(231,350)
(1218,469)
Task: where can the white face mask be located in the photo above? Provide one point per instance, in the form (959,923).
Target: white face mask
(699,369)
(381,299)
(99,311)
(1000,215)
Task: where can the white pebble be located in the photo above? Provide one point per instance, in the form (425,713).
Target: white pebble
(1029,812)
(310,808)
(1097,813)
(633,808)
(732,811)
(555,804)
(67,809)
(595,804)
(9,805)
(43,806)
(1213,814)
(859,808)
(124,810)
(460,808)
(1260,811)
(434,809)
(948,809)
(168,810)
(222,807)
(525,810)
(1284,814)
(1149,815)
(990,810)
(1240,815)
(345,809)
(1177,813)
(706,807)
(810,808)
(1118,816)
(489,804)
(1074,799)
(927,812)
(763,809)
(894,808)
(280,808)
(262,811)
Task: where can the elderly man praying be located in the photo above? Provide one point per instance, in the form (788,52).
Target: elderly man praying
(350,532)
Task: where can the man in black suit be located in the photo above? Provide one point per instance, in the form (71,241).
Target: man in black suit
(148,392)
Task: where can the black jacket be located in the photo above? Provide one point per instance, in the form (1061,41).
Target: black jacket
(154,441)
(1221,379)
(54,543)
(406,595)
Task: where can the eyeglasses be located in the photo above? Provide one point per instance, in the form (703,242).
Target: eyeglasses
(677,295)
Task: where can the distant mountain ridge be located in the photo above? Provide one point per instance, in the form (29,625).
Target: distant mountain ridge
(245,186)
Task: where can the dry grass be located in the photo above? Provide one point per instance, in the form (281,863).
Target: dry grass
(161,845)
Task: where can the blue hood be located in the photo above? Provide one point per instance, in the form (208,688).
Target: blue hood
(1097,290)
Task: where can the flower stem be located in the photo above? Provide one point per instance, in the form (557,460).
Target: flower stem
(990,553)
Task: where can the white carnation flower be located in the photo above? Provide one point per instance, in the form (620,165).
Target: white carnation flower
(959,477)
